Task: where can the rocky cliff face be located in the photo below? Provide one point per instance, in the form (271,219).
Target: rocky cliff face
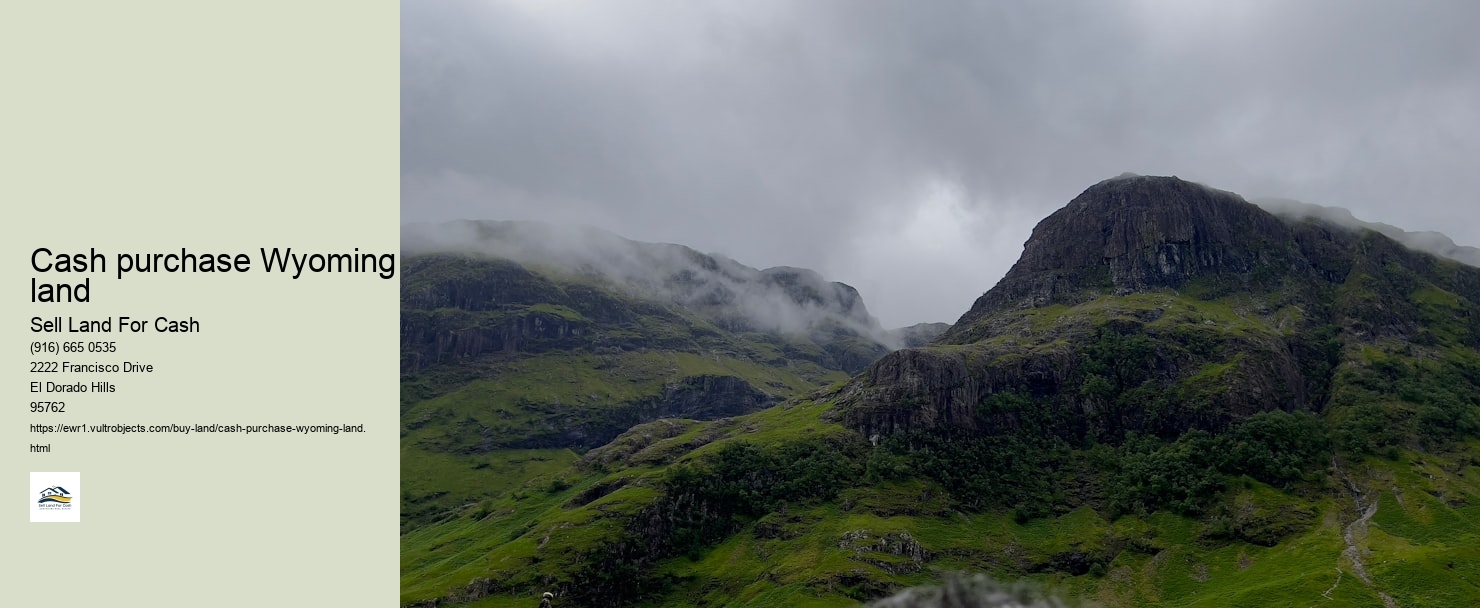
(950,390)
(1136,233)
(428,339)
(1152,304)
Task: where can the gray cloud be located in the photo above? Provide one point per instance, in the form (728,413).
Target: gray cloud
(735,296)
(908,148)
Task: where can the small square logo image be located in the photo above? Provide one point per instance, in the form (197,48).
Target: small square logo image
(55,497)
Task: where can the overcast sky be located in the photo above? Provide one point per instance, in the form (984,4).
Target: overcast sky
(908,148)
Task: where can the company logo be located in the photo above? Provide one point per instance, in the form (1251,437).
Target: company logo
(55,497)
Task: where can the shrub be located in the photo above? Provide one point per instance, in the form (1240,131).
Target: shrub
(1277,448)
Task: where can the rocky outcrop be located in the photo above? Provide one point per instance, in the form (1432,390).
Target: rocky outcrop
(433,282)
(1305,285)
(432,337)
(1135,234)
(914,389)
(945,389)
(894,552)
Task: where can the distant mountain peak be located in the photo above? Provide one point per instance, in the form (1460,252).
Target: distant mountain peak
(781,299)
(1436,243)
(1136,233)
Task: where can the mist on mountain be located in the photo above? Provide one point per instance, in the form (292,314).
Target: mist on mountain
(1436,243)
(734,296)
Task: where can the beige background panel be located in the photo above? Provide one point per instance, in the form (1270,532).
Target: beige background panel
(219,128)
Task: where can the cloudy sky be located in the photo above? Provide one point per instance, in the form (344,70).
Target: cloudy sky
(908,148)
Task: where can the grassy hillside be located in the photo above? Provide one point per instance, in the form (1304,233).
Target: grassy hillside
(791,507)
(844,536)
(1252,413)
(511,371)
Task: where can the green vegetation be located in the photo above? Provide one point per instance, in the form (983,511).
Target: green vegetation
(781,542)
(1237,441)
(1396,395)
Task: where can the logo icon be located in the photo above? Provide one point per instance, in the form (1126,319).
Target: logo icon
(56,495)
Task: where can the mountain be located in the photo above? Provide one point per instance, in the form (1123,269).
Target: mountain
(1207,285)
(733,296)
(1431,242)
(526,343)
(919,334)
(1173,398)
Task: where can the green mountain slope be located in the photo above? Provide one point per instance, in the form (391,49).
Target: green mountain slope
(517,357)
(1174,398)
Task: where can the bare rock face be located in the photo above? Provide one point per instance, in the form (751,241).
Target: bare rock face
(942,389)
(913,389)
(428,339)
(1134,234)
(1156,305)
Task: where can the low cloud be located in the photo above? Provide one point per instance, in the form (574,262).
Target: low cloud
(732,295)
(1435,243)
(820,134)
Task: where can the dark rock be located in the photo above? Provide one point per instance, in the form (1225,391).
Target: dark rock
(1136,234)
(1147,235)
